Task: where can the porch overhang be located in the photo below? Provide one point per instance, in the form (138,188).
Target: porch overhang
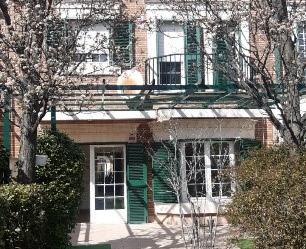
(158,115)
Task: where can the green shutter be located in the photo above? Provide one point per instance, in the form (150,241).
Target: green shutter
(193,58)
(137,183)
(221,58)
(56,31)
(123,44)
(162,190)
(246,145)
(278,65)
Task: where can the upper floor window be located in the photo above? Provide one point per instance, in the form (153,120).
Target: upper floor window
(100,47)
(93,45)
(301,32)
(178,59)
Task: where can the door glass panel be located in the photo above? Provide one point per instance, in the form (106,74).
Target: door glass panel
(100,204)
(119,203)
(109,178)
(99,177)
(109,203)
(119,177)
(119,190)
(119,165)
(99,191)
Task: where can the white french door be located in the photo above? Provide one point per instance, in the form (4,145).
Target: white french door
(108,202)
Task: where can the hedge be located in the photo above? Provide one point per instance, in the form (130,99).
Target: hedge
(4,166)
(270,201)
(42,215)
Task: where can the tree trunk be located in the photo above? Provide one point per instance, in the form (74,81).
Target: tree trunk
(27,152)
(292,133)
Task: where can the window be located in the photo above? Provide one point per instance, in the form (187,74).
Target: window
(170,52)
(302,40)
(205,168)
(93,44)
(170,73)
(195,169)
(220,162)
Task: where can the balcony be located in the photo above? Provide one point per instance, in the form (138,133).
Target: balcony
(174,70)
(173,81)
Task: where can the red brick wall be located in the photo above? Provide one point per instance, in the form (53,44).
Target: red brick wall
(145,136)
(264,132)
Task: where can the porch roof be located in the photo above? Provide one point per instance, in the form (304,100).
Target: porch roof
(106,97)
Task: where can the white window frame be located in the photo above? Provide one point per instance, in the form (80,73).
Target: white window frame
(97,67)
(208,178)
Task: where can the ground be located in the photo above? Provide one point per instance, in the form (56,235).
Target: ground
(144,236)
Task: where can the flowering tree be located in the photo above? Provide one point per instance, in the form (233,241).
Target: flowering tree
(267,60)
(38,49)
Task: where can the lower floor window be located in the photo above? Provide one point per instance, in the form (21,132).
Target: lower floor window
(205,168)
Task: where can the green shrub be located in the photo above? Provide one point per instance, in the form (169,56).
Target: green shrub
(4,166)
(270,201)
(22,219)
(62,177)
(42,215)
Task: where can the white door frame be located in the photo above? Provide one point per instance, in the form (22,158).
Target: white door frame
(113,216)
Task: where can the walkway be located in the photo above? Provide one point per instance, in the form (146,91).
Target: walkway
(144,236)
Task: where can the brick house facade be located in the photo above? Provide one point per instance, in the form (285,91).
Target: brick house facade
(116,141)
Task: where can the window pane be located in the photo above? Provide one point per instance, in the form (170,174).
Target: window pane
(201,163)
(100,178)
(215,176)
(188,150)
(119,165)
(201,190)
(99,204)
(99,191)
(119,203)
(214,149)
(119,190)
(226,189)
(192,190)
(219,162)
(220,148)
(109,203)
(215,190)
(109,190)
(109,178)
(200,149)
(119,177)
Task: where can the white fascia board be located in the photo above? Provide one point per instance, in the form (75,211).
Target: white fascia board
(102,115)
(73,11)
(167,13)
(159,115)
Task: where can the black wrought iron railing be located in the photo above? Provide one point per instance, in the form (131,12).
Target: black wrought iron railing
(173,69)
(190,69)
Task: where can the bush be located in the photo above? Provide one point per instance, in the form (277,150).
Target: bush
(42,215)
(4,166)
(62,177)
(22,220)
(270,202)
